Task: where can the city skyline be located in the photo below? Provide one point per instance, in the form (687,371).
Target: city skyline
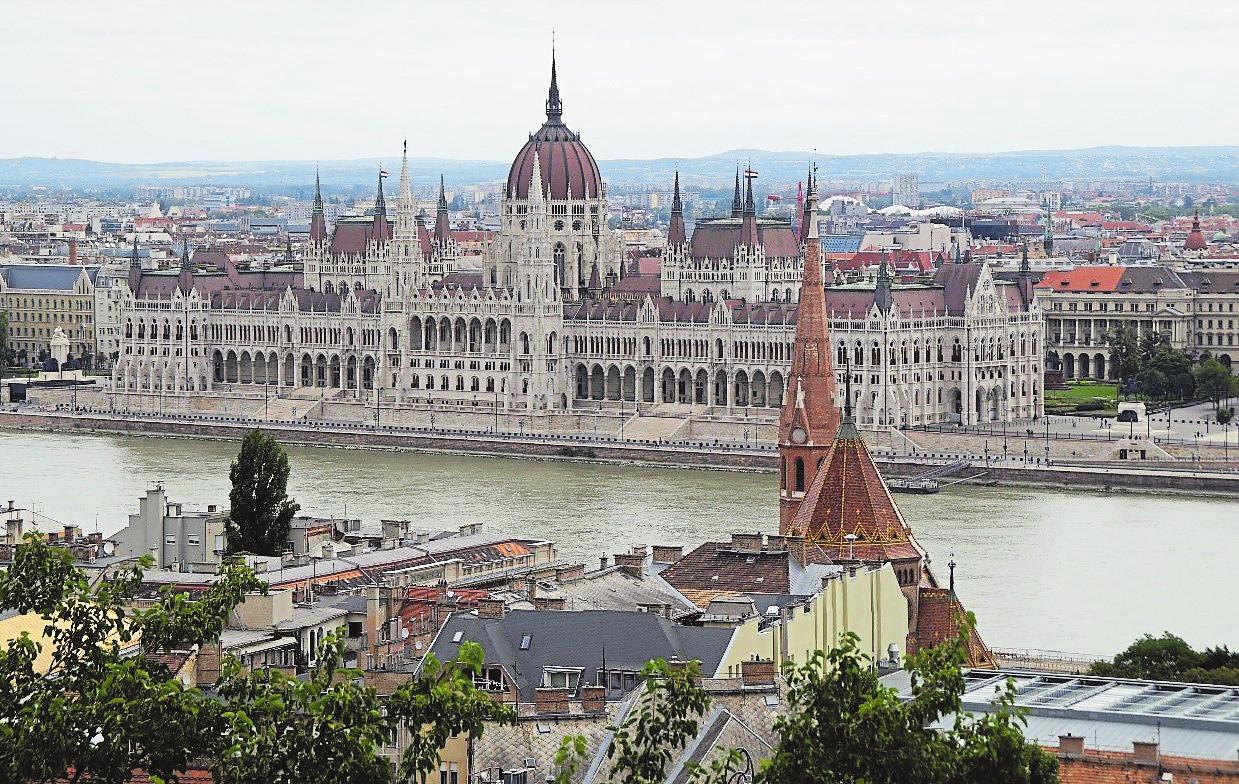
(663,82)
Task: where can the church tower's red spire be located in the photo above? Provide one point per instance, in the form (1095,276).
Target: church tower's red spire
(810,421)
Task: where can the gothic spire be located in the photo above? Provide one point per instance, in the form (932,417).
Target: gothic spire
(676,234)
(318,221)
(737,207)
(185,279)
(748,228)
(135,267)
(882,292)
(809,420)
(380,209)
(554,107)
(443,228)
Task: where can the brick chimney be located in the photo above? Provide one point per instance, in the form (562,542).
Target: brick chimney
(207,664)
(631,563)
(549,603)
(757,672)
(551,701)
(796,549)
(1072,745)
(665,553)
(492,608)
(593,699)
(746,541)
(1144,752)
(569,572)
(603,562)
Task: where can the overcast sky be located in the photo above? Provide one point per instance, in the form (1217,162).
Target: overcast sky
(160,81)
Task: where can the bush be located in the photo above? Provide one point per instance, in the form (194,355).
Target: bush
(1092,405)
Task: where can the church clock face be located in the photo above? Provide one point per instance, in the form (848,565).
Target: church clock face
(799,436)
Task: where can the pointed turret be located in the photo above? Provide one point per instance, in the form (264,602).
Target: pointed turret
(882,290)
(1048,241)
(443,227)
(135,267)
(748,228)
(536,196)
(380,210)
(1025,280)
(318,219)
(676,235)
(185,279)
(737,206)
(809,419)
(406,211)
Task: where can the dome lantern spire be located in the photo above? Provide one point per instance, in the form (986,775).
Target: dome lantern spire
(554,107)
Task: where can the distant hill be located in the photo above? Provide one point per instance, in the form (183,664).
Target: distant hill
(1179,164)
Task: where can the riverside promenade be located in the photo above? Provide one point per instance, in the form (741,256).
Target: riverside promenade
(720,455)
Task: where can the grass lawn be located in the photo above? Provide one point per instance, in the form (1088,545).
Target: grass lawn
(1064,401)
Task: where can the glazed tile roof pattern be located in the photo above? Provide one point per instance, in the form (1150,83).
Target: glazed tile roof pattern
(937,620)
(717,238)
(841,243)
(849,497)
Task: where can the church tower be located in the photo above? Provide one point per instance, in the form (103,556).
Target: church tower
(809,421)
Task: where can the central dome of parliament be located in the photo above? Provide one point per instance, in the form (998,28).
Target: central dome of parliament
(569,170)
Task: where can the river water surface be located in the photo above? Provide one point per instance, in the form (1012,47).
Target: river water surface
(1077,571)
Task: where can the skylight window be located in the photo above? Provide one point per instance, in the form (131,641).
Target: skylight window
(526,640)
(458,636)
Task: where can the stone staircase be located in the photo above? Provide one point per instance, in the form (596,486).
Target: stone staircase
(667,422)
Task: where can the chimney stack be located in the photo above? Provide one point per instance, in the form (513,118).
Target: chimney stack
(593,699)
(1072,745)
(757,672)
(1144,752)
(551,701)
(492,608)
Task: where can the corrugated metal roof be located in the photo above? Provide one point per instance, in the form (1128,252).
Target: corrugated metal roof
(1186,719)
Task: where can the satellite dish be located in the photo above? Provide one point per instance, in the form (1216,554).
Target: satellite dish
(109,548)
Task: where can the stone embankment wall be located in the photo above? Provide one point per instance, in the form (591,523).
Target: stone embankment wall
(1148,476)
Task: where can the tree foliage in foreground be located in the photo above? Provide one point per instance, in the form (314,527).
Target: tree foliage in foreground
(261,512)
(842,727)
(96,714)
(1170,658)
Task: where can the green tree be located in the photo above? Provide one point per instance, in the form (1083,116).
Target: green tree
(261,511)
(664,719)
(1225,415)
(274,725)
(1125,355)
(99,713)
(1153,383)
(1170,658)
(1213,380)
(844,726)
(96,713)
(1160,658)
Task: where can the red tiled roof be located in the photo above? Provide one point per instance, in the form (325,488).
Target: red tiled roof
(849,497)
(1101,278)
(938,615)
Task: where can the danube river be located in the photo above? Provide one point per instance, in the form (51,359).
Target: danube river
(1083,572)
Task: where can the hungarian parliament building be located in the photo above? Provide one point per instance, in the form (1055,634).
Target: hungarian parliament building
(560,317)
